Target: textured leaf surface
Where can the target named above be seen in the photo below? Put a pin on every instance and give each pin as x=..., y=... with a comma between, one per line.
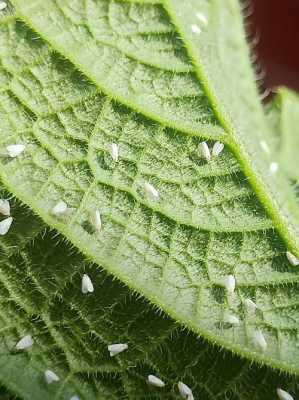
x=283, y=115
x=208, y=222
x=94, y=35
x=5, y=395
x=71, y=333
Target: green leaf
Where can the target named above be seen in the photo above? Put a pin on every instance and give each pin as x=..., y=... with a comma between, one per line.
x=216, y=99
x=5, y=395
x=283, y=115
x=71, y=333
x=20, y=301
x=208, y=223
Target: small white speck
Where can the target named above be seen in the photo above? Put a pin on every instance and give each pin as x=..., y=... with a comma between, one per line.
x=5, y=225
x=96, y=220
x=86, y=286
x=205, y=151
x=24, y=343
x=60, y=208
x=202, y=18
x=217, y=149
x=114, y=151
x=292, y=259
x=50, y=376
x=185, y=391
x=259, y=340
x=273, y=167
x=250, y=305
x=15, y=150
x=283, y=395
x=75, y=397
x=155, y=381
x=151, y=191
x=3, y=5
x=231, y=319
x=195, y=28
x=265, y=146
x=229, y=282
x=117, y=348
x=4, y=207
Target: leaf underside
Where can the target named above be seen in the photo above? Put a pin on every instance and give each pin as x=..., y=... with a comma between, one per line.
x=283, y=116
x=71, y=333
x=208, y=223
x=123, y=47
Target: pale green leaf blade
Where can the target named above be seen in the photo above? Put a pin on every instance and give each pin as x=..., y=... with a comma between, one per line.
x=212, y=99
x=220, y=54
x=173, y=95
x=283, y=116
x=19, y=372
x=175, y=251
x=71, y=333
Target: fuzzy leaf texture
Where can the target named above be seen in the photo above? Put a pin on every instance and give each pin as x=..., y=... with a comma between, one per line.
x=71, y=334
x=283, y=115
x=228, y=216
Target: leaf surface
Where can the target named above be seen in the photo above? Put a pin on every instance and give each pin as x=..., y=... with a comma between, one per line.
x=216, y=98
x=208, y=222
x=282, y=114
x=71, y=333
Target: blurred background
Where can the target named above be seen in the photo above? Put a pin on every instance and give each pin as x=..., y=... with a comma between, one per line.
x=275, y=25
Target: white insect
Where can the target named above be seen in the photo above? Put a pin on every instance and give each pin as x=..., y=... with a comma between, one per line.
x=151, y=191
x=265, y=146
x=273, y=167
x=202, y=18
x=50, y=376
x=217, y=149
x=283, y=395
x=114, y=151
x=195, y=28
x=231, y=319
x=15, y=150
x=155, y=381
x=185, y=391
x=96, y=220
x=117, y=348
x=24, y=343
x=75, y=397
x=60, y=208
x=229, y=282
x=3, y=5
x=4, y=207
x=5, y=225
x=86, y=286
x=292, y=259
x=250, y=305
x=205, y=151
x=259, y=340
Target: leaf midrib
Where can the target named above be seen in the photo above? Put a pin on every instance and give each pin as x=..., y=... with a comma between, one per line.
x=259, y=226
x=217, y=132
x=157, y=302
x=225, y=132
x=152, y=297
x=246, y=165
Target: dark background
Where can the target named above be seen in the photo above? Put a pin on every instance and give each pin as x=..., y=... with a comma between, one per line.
x=276, y=23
